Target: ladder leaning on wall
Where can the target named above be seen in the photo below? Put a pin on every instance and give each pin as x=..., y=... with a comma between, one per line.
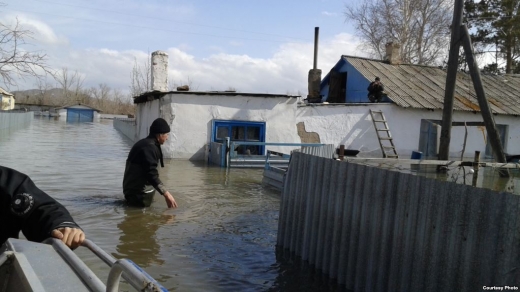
x=383, y=134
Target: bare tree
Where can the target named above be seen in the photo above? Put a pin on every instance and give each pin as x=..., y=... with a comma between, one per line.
x=421, y=27
x=71, y=85
x=121, y=104
x=43, y=95
x=140, y=78
x=101, y=94
x=15, y=60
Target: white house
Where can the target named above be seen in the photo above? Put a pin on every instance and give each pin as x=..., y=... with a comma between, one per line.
x=198, y=118
x=412, y=107
x=6, y=100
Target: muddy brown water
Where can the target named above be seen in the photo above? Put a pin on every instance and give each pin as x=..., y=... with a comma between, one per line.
x=221, y=238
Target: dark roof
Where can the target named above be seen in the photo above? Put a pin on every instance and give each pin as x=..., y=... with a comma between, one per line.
x=417, y=86
x=148, y=96
x=4, y=92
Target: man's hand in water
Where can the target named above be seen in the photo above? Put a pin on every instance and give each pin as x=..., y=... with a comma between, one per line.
x=72, y=237
x=170, y=201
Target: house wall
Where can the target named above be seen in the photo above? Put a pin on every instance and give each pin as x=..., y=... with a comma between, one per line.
x=7, y=102
x=190, y=117
x=356, y=86
x=352, y=126
x=145, y=114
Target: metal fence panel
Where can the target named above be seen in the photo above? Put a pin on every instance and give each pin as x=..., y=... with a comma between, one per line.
x=381, y=230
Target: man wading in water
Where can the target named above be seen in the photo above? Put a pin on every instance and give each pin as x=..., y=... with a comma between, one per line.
x=141, y=178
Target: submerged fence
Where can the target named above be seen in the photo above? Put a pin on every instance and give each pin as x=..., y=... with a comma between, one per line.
x=126, y=127
x=380, y=230
x=13, y=120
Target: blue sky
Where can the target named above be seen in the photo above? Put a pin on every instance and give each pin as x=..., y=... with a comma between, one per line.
x=251, y=46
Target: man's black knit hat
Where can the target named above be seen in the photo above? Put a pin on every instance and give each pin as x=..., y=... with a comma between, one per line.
x=159, y=126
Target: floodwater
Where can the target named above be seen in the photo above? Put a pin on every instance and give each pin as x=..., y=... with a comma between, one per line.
x=489, y=177
x=222, y=236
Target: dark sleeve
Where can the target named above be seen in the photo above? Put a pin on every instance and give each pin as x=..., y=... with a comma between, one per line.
x=151, y=157
x=35, y=211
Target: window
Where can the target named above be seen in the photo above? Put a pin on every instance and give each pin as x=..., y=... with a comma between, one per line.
x=240, y=131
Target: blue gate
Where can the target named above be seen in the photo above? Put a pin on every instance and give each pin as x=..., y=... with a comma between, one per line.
x=80, y=115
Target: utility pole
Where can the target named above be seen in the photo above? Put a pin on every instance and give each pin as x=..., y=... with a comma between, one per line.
x=489, y=121
x=451, y=77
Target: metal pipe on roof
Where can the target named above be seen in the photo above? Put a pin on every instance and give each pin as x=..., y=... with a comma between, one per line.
x=316, y=36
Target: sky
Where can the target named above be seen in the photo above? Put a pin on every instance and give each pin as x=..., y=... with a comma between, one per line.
x=251, y=46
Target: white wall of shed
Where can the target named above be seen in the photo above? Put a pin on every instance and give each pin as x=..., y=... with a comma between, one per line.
x=352, y=126
x=146, y=113
x=190, y=117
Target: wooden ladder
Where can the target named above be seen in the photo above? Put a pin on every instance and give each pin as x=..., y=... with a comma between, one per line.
x=385, y=140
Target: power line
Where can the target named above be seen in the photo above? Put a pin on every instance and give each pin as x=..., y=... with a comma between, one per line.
x=167, y=20
x=153, y=28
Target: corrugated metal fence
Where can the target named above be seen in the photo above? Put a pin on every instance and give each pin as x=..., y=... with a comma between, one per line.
x=12, y=120
x=126, y=127
x=326, y=150
x=380, y=230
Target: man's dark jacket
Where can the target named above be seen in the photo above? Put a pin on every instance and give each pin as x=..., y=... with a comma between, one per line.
x=24, y=207
x=141, y=167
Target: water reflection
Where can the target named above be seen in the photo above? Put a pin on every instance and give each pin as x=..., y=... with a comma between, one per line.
x=138, y=239
x=483, y=177
x=297, y=275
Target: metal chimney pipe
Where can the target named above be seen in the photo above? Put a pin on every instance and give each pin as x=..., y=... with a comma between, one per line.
x=314, y=74
x=316, y=35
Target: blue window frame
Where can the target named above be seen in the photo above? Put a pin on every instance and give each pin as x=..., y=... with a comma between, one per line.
x=240, y=131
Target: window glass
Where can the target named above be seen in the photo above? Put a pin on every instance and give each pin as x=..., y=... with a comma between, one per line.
x=253, y=133
x=222, y=132
x=245, y=131
x=238, y=133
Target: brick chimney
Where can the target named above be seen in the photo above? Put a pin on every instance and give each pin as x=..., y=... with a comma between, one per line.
x=159, y=71
x=393, y=56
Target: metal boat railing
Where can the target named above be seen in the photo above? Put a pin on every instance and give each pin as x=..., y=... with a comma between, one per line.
x=130, y=271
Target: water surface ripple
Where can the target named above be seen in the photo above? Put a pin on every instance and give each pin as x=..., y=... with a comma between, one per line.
x=221, y=238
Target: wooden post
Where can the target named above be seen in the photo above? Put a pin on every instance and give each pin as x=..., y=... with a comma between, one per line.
x=465, y=140
x=451, y=76
x=489, y=121
x=341, y=152
x=476, y=161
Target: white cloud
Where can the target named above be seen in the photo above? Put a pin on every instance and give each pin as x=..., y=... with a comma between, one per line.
x=41, y=32
x=285, y=72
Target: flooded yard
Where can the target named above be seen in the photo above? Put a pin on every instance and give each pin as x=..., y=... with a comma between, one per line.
x=221, y=238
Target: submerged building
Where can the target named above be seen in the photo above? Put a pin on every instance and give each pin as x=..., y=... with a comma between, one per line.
x=412, y=108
